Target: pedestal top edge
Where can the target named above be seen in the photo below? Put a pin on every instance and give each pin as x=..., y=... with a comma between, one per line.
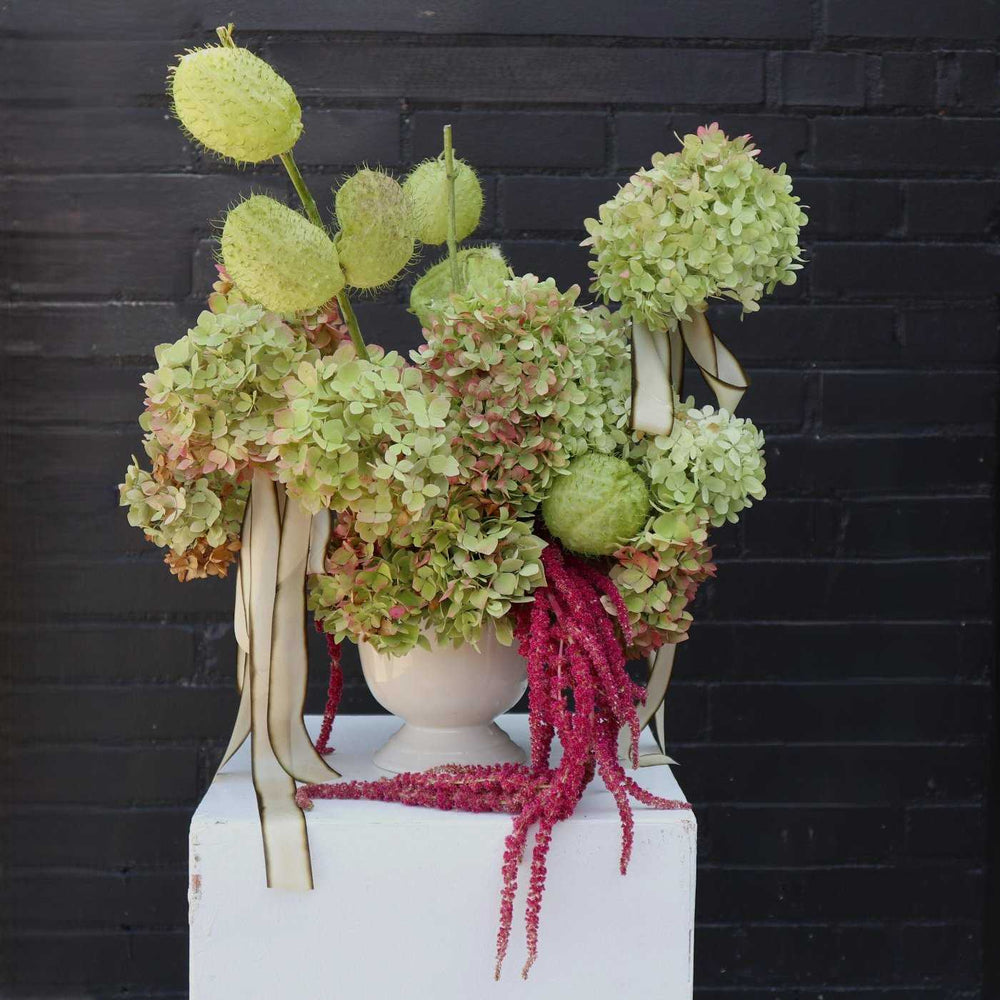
x=230, y=798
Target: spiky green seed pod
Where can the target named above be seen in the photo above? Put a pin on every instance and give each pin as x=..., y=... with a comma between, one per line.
x=427, y=187
x=376, y=239
x=234, y=104
x=278, y=258
x=480, y=271
x=601, y=504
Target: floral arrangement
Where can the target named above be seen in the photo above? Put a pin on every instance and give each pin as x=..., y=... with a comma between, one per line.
x=494, y=479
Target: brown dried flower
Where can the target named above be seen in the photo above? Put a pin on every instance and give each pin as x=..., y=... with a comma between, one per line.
x=203, y=560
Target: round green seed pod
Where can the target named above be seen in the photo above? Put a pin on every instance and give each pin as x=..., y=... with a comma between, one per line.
x=480, y=271
x=598, y=506
x=427, y=186
x=234, y=104
x=376, y=239
x=278, y=258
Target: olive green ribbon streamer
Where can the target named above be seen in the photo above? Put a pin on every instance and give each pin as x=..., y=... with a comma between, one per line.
x=272, y=671
x=657, y=374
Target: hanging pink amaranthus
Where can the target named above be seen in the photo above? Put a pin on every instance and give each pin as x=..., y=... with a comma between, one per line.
x=578, y=691
x=333, y=692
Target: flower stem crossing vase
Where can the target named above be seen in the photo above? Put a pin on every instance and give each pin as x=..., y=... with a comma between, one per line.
x=448, y=698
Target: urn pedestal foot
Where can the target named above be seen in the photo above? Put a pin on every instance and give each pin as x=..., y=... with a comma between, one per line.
x=416, y=748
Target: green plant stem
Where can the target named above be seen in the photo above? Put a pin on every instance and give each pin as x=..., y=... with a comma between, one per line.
x=226, y=35
x=449, y=173
x=305, y=196
x=347, y=312
x=309, y=204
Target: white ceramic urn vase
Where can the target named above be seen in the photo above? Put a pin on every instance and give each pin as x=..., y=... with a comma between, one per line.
x=448, y=699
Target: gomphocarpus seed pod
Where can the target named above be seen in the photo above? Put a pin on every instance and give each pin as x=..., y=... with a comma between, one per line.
x=427, y=187
x=278, y=258
x=376, y=238
x=480, y=270
x=234, y=104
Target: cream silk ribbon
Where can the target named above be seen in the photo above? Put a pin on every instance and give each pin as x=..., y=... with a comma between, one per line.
x=279, y=541
x=657, y=374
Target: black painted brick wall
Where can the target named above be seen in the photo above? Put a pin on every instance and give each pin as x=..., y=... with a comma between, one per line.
x=833, y=707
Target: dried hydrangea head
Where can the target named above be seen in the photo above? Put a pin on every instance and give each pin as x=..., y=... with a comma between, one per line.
x=597, y=506
x=234, y=104
x=520, y=360
x=203, y=560
x=463, y=573
x=706, y=221
x=211, y=401
x=711, y=463
x=197, y=520
x=278, y=258
x=481, y=270
x=427, y=186
x=376, y=239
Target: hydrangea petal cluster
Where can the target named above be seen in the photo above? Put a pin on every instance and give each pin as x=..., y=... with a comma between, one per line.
x=450, y=577
x=324, y=327
x=366, y=435
x=711, y=463
x=522, y=362
x=198, y=520
x=706, y=221
x=658, y=575
x=211, y=401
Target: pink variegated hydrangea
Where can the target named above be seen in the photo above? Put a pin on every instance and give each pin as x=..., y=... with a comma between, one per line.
x=525, y=366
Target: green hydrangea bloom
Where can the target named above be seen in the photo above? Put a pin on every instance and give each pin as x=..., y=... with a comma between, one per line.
x=711, y=463
x=706, y=221
x=369, y=436
x=603, y=373
x=462, y=574
x=526, y=368
x=211, y=401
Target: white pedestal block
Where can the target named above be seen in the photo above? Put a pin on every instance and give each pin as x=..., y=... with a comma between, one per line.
x=407, y=899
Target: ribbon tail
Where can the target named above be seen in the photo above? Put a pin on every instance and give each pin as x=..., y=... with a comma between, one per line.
x=319, y=539
x=289, y=656
x=283, y=825
x=241, y=728
x=661, y=665
x=676, y=361
x=652, y=377
x=718, y=365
